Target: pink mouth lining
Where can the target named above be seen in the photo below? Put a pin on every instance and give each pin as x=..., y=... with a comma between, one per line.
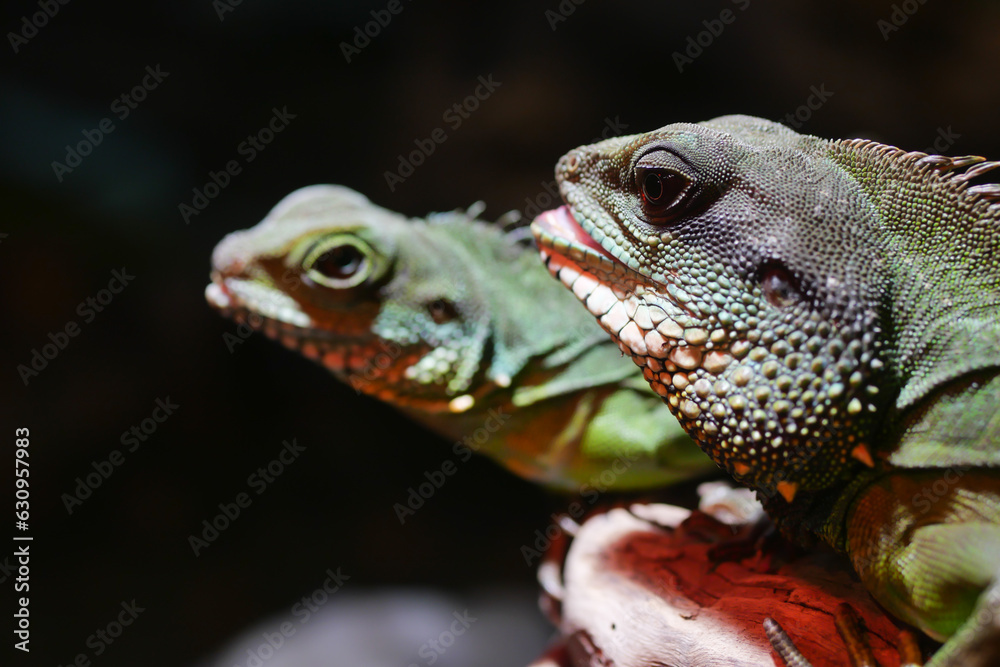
x=560, y=223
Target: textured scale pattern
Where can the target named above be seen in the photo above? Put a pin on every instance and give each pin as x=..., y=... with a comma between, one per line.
x=783, y=396
x=945, y=241
x=415, y=357
x=824, y=319
x=452, y=320
x=802, y=296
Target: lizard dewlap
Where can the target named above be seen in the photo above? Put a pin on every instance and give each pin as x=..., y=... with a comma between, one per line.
x=453, y=321
x=823, y=317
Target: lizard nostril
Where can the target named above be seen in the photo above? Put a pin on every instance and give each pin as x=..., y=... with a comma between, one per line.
x=570, y=164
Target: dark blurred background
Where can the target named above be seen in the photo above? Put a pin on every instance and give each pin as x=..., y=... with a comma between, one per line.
x=908, y=73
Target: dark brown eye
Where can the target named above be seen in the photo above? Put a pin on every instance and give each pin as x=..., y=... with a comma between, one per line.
x=442, y=311
x=652, y=187
x=339, y=263
x=661, y=189
x=779, y=288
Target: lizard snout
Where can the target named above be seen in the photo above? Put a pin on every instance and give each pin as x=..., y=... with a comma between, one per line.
x=568, y=166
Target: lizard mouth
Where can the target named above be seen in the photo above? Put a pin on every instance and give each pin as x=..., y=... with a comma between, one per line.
x=241, y=299
x=261, y=308
x=368, y=364
x=559, y=228
x=714, y=379
x=658, y=333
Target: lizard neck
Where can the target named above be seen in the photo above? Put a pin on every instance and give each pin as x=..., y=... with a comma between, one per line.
x=956, y=426
x=942, y=257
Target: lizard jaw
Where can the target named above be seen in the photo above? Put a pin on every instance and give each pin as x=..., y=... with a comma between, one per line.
x=262, y=309
x=278, y=317
x=367, y=363
x=690, y=367
x=659, y=335
x=226, y=293
x=744, y=404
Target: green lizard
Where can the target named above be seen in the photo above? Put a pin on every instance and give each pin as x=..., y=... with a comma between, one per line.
x=823, y=317
x=454, y=322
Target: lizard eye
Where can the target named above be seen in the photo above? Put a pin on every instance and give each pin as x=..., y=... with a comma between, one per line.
x=662, y=192
x=338, y=263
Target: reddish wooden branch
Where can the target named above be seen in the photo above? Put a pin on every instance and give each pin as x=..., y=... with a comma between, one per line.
x=639, y=588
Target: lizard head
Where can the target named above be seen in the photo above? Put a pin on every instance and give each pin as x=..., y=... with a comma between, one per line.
x=375, y=297
x=720, y=256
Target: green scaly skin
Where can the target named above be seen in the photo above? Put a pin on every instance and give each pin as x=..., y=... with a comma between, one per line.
x=455, y=323
x=823, y=317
